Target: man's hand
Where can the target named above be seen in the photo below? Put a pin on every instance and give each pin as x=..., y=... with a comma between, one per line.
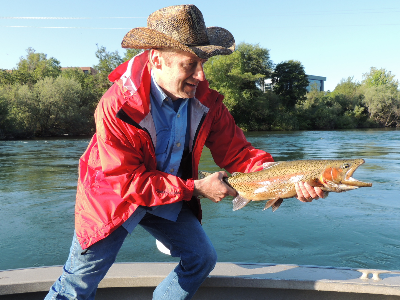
x=213, y=187
x=307, y=193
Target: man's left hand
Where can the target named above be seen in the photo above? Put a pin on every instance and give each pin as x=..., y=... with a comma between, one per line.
x=307, y=193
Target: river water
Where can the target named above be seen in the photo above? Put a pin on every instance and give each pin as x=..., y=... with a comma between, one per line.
x=356, y=229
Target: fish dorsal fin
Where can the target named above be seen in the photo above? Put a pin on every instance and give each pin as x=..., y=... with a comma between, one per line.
x=236, y=174
x=239, y=202
x=203, y=174
x=268, y=165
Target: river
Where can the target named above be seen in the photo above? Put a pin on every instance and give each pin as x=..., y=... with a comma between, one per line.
x=356, y=229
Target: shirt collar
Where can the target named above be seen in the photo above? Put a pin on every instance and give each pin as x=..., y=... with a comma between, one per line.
x=156, y=92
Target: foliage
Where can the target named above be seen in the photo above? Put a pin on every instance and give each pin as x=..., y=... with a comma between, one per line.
x=60, y=110
x=38, y=66
x=22, y=108
x=31, y=68
x=3, y=113
x=129, y=53
x=238, y=77
x=38, y=99
x=379, y=77
x=341, y=109
x=348, y=87
x=7, y=77
x=383, y=104
x=108, y=61
x=51, y=107
x=256, y=61
x=90, y=93
x=382, y=97
x=290, y=82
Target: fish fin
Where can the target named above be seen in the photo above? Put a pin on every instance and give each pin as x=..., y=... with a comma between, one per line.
x=239, y=202
x=275, y=203
x=203, y=174
x=267, y=165
x=315, y=182
x=236, y=174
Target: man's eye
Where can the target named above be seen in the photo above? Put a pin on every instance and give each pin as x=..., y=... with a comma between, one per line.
x=189, y=65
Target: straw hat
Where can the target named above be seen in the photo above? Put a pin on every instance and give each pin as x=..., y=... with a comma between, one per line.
x=181, y=27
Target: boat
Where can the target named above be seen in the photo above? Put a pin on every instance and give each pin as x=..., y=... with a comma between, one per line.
x=227, y=281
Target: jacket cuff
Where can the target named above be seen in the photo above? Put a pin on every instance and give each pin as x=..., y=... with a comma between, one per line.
x=190, y=188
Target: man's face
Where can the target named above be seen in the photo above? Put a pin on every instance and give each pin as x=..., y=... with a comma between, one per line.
x=178, y=73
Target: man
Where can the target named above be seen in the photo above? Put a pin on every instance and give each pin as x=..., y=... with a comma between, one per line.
x=141, y=165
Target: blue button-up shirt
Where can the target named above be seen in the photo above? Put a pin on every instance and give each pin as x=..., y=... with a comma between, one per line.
x=171, y=122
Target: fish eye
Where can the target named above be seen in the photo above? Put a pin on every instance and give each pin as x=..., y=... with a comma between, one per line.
x=345, y=166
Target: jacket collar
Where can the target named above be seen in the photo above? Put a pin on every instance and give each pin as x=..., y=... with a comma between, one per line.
x=134, y=79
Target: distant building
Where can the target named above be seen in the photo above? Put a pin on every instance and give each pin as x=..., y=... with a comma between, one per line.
x=316, y=81
x=86, y=70
x=313, y=80
x=268, y=84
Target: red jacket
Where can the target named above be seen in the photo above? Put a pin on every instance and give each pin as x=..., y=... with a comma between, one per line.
x=117, y=172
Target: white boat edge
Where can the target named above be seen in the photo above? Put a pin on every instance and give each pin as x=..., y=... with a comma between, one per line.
x=226, y=281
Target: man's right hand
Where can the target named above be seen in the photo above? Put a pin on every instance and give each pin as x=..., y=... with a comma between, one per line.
x=213, y=187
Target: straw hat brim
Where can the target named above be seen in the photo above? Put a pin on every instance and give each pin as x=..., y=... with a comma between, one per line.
x=221, y=41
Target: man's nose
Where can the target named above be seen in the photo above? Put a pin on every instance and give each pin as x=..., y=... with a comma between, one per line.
x=199, y=73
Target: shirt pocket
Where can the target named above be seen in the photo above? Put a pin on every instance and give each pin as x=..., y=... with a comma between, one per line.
x=163, y=140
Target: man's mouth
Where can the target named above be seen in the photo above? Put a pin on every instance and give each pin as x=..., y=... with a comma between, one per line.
x=191, y=84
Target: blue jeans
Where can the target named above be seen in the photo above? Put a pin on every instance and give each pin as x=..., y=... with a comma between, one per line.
x=185, y=238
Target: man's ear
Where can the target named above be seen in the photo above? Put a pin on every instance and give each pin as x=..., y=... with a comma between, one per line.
x=155, y=58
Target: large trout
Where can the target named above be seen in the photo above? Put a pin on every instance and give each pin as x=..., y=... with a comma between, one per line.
x=277, y=180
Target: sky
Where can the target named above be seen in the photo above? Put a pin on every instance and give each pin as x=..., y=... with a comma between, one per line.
x=333, y=39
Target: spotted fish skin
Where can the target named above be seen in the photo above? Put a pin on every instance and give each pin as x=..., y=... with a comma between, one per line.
x=277, y=180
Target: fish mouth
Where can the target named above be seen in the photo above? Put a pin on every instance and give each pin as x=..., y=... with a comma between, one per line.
x=349, y=180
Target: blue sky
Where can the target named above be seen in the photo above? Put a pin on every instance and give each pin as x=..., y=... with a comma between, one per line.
x=334, y=39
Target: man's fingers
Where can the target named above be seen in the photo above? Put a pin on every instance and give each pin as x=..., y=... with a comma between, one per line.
x=229, y=190
x=307, y=193
x=214, y=187
x=320, y=192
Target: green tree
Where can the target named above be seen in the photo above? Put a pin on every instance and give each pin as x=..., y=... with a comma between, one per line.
x=16, y=76
x=108, y=61
x=23, y=111
x=38, y=66
x=381, y=96
x=60, y=110
x=348, y=93
x=6, y=77
x=129, y=53
x=3, y=113
x=38, y=99
x=348, y=87
x=378, y=77
x=290, y=82
x=341, y=109
x=238, y=77
x=318, y=111
x=90, y=94
x=383, y=104
x=256, y=61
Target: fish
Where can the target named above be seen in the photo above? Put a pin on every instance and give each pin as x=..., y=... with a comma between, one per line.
x=277, y=180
